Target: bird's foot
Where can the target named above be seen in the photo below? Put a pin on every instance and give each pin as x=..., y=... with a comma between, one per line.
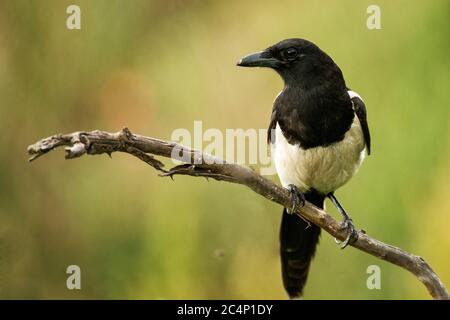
x=297, y=197
x=347, y=223
x=352, y=235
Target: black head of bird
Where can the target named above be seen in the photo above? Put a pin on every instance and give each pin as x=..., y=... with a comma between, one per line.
x=299, y=62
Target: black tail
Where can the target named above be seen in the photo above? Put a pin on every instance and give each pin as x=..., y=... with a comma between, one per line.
x=297, y=247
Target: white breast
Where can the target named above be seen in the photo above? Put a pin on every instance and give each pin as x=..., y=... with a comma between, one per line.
x=321, y=168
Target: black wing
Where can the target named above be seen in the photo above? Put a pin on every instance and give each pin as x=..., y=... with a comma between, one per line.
x=361, y=113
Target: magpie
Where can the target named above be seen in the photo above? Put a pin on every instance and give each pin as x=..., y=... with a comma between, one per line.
x=319, y=137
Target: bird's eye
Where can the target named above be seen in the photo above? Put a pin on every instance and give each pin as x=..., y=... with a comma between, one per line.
x=290, y=53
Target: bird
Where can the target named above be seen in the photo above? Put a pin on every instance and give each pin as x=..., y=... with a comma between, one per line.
x=319, y=137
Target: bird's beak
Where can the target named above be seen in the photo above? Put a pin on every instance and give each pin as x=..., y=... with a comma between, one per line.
x=258, y=59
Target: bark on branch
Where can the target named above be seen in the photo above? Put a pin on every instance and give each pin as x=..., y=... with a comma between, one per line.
x=203, y=165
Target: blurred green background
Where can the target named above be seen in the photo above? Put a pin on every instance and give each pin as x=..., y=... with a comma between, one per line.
x=155, y=66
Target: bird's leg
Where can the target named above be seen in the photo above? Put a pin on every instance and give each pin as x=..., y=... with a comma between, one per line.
x=346, y=223
x=298, y=198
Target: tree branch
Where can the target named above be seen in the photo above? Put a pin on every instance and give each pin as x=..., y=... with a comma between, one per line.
x=199, y=164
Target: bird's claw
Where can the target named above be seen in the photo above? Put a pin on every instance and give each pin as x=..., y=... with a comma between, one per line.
x=298, y=198
x=352, y=235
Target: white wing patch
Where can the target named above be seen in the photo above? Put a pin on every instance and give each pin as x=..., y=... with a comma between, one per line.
x=353, y=94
